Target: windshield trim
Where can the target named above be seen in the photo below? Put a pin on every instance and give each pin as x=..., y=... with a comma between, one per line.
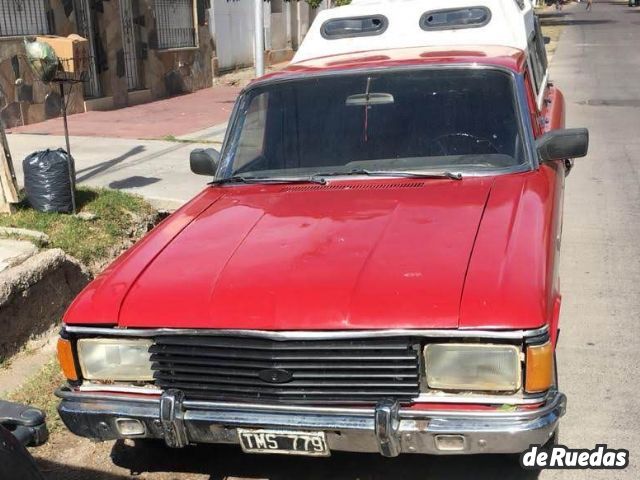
x=525, y=127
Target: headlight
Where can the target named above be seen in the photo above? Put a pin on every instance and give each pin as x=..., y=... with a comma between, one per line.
x=453, y=366
x=115, y=359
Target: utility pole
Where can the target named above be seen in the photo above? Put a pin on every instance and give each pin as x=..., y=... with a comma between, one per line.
x=258, y=37
x=8, y=184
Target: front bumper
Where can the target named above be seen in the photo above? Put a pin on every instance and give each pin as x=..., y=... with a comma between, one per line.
x=387, y=428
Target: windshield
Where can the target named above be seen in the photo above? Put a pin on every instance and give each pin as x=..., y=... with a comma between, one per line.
x=405, y=120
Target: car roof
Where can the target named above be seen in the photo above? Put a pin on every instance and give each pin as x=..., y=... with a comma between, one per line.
x=385, y=24
x=508, y=58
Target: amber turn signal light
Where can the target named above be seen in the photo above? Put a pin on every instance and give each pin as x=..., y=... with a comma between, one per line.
x=65, y=358
x=539, y=371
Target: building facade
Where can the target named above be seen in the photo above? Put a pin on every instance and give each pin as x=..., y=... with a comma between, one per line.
x=231, y=27
x=141, y=50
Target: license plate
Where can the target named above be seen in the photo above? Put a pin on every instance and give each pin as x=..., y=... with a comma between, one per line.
x=279, y=441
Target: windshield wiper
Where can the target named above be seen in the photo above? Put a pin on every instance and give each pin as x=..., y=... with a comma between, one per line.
x=392, y=173
x=320, y=177
x=250, y=179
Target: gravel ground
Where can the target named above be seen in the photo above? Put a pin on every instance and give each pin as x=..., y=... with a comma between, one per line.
x=67, y=457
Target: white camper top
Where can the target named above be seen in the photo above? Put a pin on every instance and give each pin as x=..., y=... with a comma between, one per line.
x=366, y=25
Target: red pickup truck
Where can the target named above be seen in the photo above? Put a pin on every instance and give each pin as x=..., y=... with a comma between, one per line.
x=374, y=268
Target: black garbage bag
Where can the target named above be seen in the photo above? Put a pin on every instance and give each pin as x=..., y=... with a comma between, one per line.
x=46, y=181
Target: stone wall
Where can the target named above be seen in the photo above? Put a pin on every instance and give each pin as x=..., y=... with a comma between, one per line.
x=170, y=72
x=181, y=71
x=164, y=72
x=23, y=98
x=108, y=46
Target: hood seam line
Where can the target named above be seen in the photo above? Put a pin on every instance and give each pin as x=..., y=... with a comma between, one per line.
x=164, y=247
x=473, y=247
x=231, y=255
x=356, y=284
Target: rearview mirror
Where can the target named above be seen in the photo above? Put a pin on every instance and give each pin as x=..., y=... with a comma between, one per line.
x=204, y=161
x=563, y=144
x=368, y=99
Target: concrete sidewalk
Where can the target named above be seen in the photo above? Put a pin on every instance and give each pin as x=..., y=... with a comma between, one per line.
x=142, y=149
x=175, y=116
x=157, y=170
x=171, y=117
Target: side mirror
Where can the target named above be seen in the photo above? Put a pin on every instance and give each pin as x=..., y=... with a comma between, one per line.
x=563, y=144
x=204, y=161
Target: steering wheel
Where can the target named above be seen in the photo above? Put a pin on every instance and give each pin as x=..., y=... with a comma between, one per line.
x=462, y=143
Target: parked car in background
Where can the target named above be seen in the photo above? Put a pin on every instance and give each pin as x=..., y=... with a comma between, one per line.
x=373, y=267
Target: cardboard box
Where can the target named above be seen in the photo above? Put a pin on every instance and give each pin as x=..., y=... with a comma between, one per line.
x=73, y=51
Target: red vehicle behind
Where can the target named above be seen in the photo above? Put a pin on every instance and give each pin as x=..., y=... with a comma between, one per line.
x=374, y=268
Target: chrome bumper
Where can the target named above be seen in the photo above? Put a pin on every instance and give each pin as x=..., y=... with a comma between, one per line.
x=388, y=428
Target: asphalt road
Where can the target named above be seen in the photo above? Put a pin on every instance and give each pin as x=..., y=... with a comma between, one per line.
x=597, y=65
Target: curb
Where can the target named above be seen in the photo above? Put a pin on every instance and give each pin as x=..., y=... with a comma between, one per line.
x=35, y=294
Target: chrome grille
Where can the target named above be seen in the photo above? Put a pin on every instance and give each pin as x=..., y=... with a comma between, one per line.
x=326, y=371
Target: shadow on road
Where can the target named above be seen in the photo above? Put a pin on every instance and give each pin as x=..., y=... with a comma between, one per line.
x=133, y=182
x=544, y=15
x=92, y=171
x=222, y=461
x=551, y=22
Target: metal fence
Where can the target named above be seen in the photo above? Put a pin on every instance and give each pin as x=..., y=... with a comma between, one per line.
x=130, y=42
x=175, y=23
x=24, y=17
x=84, y=21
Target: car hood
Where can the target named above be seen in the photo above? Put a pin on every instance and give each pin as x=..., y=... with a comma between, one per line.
x=347, y=255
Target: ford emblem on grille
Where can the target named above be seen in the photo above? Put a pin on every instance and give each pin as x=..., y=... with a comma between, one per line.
x=275, y=375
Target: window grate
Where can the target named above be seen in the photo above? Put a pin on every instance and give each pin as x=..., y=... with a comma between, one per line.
x=85, y=22
x=175, y=24
x=24, y=17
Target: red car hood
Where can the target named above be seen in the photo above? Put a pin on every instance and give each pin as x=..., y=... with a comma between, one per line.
x=357, y=255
